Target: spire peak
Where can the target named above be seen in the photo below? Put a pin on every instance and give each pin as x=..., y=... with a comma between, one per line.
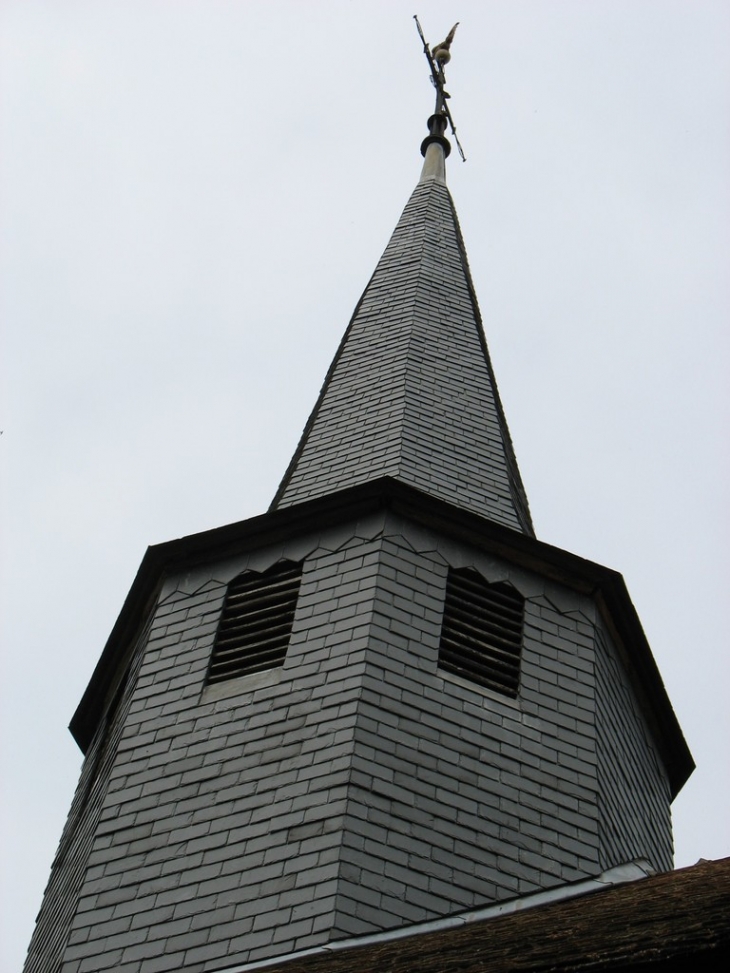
x=411, y=394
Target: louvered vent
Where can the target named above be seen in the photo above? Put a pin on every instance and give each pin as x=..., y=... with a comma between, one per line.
x=256, y=623
x=481, y=636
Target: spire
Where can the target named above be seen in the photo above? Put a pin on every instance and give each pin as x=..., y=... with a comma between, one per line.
x=411, y=392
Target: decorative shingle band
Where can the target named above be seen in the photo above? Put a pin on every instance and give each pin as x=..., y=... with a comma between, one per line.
x=256, y=623
x=481, y=635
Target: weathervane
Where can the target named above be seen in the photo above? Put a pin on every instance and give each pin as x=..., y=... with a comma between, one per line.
x=437, y=57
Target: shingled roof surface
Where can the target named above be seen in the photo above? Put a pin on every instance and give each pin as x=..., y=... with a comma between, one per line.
x=411, y=392
x=674, y=921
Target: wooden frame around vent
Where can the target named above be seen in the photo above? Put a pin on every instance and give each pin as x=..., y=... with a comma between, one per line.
x=256, y=622
x=481, y=634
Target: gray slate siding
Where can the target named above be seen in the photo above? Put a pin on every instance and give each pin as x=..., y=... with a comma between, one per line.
x=70, y=872
x=461, y=796
x=411, y=393
x=356, y=788
x=222, y=815
x=634, y=794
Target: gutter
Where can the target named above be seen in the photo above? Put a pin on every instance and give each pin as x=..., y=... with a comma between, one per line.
x=618, y=875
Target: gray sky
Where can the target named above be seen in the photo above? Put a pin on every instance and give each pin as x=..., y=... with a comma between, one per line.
x=194, y=195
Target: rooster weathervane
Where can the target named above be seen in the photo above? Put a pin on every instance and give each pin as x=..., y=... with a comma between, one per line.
x=437, y=58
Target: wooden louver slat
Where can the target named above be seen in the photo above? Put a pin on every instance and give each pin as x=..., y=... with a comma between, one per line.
x=256, y=623
x=481, y=635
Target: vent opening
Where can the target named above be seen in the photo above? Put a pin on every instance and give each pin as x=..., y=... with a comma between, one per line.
x=481, y=635
x=256, y=623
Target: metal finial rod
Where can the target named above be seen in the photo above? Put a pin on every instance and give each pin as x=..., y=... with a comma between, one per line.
x=438, y=79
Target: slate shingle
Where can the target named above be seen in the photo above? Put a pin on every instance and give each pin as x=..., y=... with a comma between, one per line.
x=411, y=393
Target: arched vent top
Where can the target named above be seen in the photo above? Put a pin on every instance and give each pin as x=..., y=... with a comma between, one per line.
x=256, y=623
x=481, y=636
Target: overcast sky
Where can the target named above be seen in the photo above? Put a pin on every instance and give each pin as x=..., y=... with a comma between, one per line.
x=194, y=195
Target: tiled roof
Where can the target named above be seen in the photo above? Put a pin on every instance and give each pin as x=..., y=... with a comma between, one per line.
x=411, y=392
x=673, y=922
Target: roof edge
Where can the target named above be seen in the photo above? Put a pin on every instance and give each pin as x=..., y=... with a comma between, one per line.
x=633, y=871
x=361, y=500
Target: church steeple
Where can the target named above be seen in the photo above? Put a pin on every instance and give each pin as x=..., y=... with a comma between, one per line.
x=411, y=393
x=380, y=703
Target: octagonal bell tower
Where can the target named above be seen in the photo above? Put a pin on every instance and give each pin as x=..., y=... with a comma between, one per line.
x=382, y=702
